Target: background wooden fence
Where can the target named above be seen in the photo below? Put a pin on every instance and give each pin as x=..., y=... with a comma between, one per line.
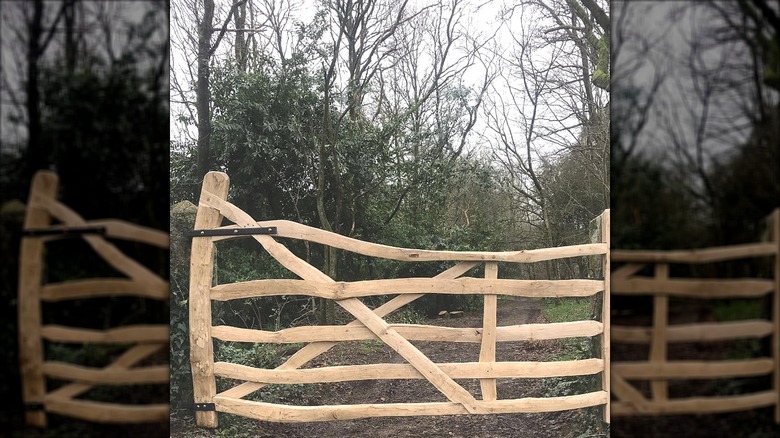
x=147, y=340
x=661, y=286
x=369, y=323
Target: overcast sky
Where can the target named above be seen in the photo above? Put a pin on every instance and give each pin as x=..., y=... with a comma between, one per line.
x=123, y=13
x=662, y=41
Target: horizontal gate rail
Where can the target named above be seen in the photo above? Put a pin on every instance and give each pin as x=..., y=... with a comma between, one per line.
x=369, y=324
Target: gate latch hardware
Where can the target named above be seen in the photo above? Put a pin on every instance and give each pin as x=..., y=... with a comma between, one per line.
x=231, y=232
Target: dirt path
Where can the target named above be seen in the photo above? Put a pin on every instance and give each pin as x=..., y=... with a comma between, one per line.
x=510, y=312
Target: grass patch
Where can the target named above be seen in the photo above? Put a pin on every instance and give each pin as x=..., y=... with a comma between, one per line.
x=567, y=309
x=737, y=310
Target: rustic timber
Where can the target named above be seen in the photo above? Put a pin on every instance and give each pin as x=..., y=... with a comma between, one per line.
x=369, y=324
x=696, y=332
x=462, y=286
x=469, y=370
x=658, y=369
x=487, y=352
x=44, y=186
x=132, y=333
x=149, y=339
x=201, y=271
x=413, y=332
x=299, y=231
x=284, y=413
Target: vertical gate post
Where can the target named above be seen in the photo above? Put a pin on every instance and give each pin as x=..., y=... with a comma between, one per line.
x=201, y=275
x=43, y=188
x=774, y=227
x=488, y=349
x=658, y=345
x=600, y=234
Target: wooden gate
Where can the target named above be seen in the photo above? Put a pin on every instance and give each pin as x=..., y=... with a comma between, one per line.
x=369, y=323
x=661, y=286
x=42, y=207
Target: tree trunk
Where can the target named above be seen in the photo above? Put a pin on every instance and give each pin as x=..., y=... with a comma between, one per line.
x=35, y=159
x=203, y=94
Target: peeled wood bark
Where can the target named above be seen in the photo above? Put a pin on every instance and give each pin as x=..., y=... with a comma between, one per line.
x=285, y=414
x=708, y=255
x=602, y=234
x=719, y=331
x=487, y=351
x=413, y=332
x=370, y=324
x=44, y=187
x=309, y=352
x=103, y=287
x=694, y=369
x=125, y=361
x=42, y=207
x=702, y=405
x=107, y=412
x=88, y=375
x=462, y=286
x=469, y=370
x=295, y=230
x=658, y=387
x=133, y=333
x=201, y=271
x=434, y=375
x=695, y=288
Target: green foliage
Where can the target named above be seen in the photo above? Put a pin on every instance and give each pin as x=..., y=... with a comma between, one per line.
x=406, y=315
x=649, y=210
x=567, y=309
x=254, y=355
x=739, y=310
x=601, y=75
x=113, y=147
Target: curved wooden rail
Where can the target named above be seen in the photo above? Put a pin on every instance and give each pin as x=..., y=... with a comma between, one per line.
x=295, y=230
x=706, y=255
x=469, y=370
x=524, y=332
x=462, y=286
x=103, y=287
x=101, y=412
x=98, y=376
x=119, y=229
x=131, y=334
x=284, y=413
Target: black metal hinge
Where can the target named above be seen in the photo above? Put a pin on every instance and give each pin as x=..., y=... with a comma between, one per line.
x=65, y=232
x=231, y=232
x=33, y=407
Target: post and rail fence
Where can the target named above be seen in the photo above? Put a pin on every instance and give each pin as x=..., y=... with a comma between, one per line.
x=145, y=340
x=369, y=324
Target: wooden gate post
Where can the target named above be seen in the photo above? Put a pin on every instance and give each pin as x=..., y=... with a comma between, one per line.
x=774, y=227
x=201, y=274
x=44, y=186
x=488, y=349
x=600, y=233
